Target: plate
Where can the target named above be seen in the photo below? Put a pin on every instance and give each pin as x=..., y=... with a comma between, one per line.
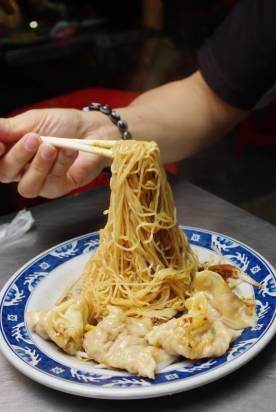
x=41, y=281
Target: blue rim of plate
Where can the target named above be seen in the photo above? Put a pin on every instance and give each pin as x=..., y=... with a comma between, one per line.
x=21, y=350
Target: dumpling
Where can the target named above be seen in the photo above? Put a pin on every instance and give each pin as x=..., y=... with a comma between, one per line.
x=236, y=313
x=215, y=316
x=198, y=334
x=119, y=341
x=63, y=324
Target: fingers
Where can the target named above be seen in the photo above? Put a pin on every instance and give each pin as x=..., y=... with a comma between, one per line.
x=22, y=161
x=57, y=182
x=43, y=171
x=33, y=180
x=64, y=160
x=85, y=169
x=18, y=156
x=32, y=164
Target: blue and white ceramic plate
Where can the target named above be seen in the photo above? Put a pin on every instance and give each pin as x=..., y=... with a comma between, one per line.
x=41, y=281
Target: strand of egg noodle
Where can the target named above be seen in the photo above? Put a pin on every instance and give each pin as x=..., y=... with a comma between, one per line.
x=144, y=263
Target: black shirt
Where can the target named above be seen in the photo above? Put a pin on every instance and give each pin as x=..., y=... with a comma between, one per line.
x=239, y=60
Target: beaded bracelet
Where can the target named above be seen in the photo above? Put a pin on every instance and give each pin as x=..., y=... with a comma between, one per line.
x=113, y=116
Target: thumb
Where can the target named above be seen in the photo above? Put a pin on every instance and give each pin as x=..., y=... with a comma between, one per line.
x=6, y=130
x=13, y=128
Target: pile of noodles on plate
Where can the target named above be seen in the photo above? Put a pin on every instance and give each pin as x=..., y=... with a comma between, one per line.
x=143, y=299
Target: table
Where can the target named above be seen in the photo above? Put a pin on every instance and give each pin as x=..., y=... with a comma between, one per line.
x=251, y=388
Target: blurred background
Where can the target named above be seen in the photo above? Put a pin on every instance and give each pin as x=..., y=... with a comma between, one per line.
x=68, y=53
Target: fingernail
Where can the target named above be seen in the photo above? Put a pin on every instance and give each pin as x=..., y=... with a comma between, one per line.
x=47, y=152
x=70, y=153
x=31, y=143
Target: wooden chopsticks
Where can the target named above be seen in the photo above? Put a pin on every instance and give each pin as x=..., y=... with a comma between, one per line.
x=99, y=147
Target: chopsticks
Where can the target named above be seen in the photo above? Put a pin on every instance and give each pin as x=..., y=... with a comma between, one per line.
x=99, y=147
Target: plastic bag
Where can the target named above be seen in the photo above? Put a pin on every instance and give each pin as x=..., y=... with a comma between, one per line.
x=13, y=231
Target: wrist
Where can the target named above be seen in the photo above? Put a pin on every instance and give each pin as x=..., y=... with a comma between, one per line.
x=112, y=115
x=95, y=125
x=138, y=122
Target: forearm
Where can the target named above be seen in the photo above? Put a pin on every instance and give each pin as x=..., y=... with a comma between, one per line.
x=183, y=117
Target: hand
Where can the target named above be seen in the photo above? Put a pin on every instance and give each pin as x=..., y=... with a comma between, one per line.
x=41, y=169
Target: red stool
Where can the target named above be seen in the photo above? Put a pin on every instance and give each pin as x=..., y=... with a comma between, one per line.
x=80, y=98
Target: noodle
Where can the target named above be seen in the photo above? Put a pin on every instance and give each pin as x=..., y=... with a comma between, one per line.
x=144, y=263
x=121, y=311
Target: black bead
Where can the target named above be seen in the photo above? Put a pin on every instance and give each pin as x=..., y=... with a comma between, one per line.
x=95, y=106
x=115, y=117
x=122, y=125
x=106, y=109
x=126, y=135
